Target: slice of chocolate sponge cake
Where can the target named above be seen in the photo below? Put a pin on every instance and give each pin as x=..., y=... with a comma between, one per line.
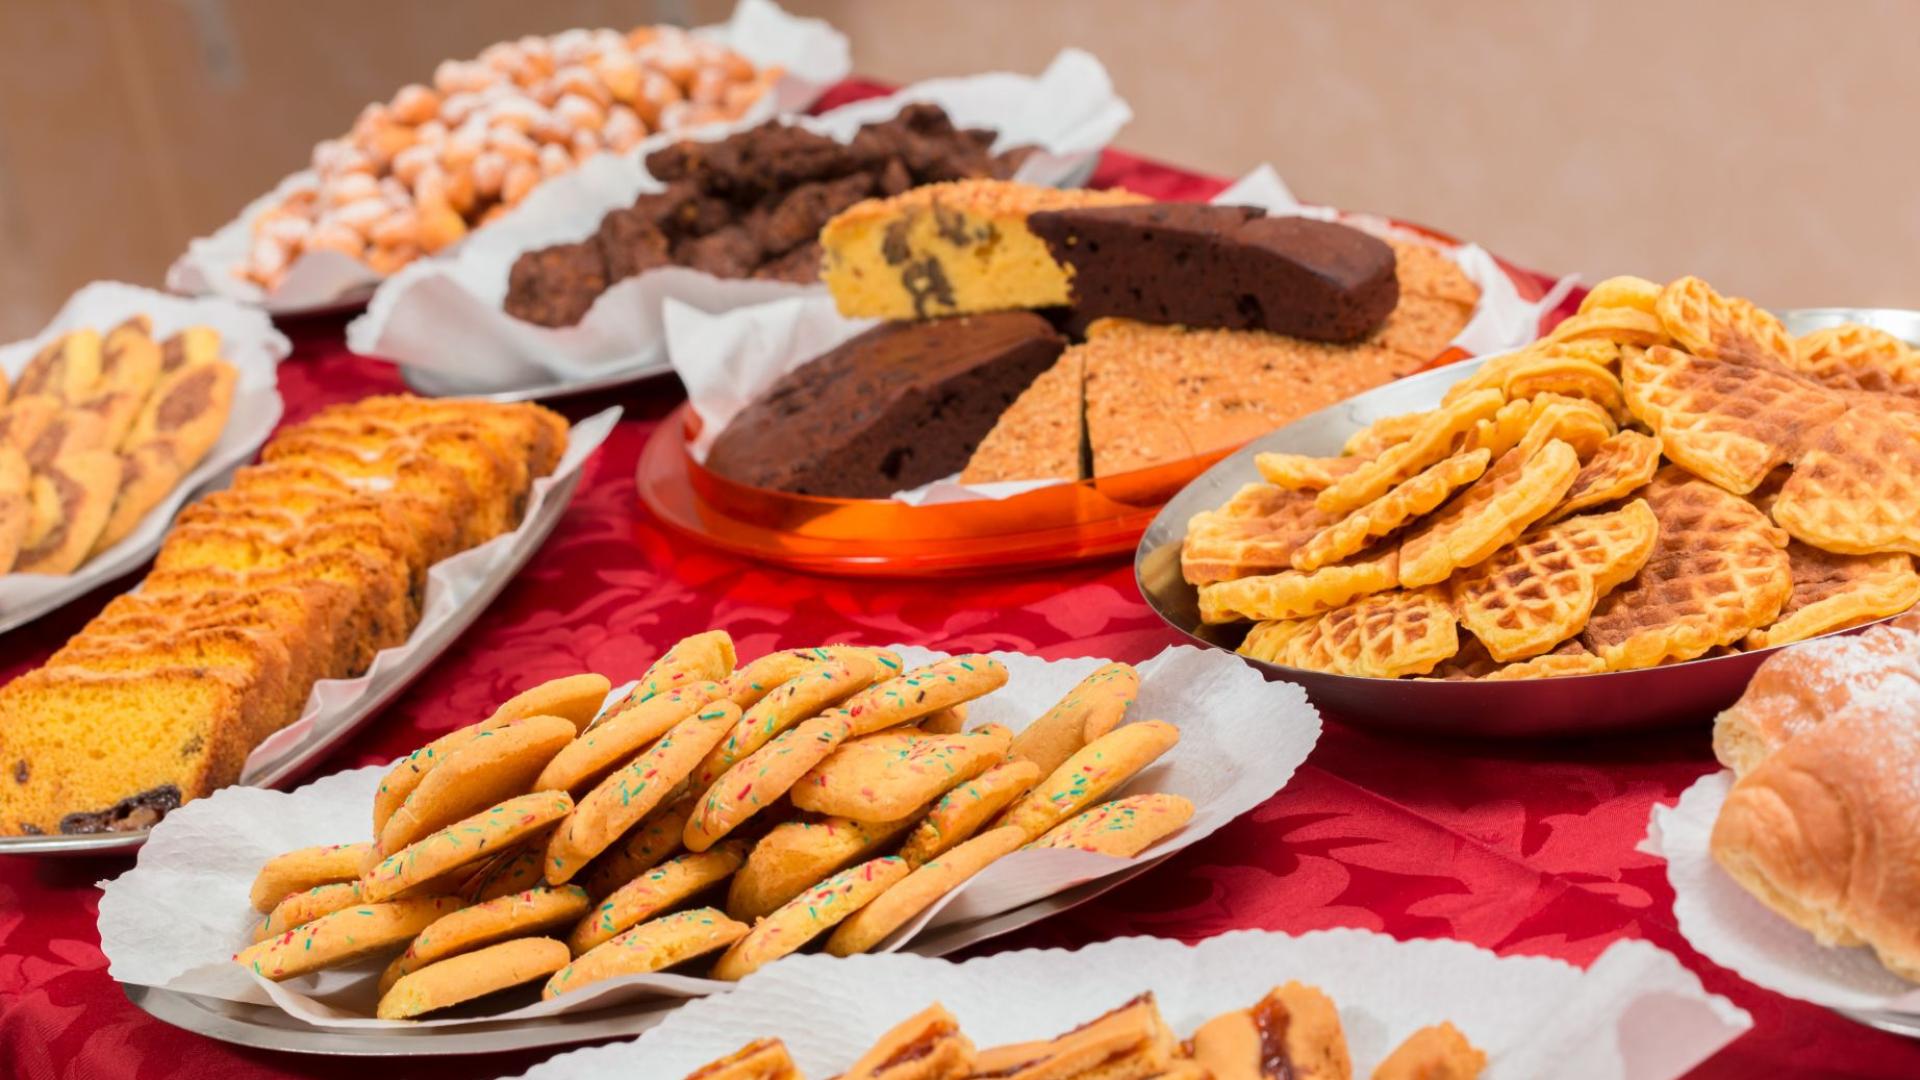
x=1224, y=267
x=899, y=406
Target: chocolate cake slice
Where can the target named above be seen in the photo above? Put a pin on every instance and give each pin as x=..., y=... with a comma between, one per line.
x=1227, y=267
x=899, y=406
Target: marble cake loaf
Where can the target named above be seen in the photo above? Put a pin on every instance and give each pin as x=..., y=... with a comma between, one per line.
x=1222, y=267
x=894, y=408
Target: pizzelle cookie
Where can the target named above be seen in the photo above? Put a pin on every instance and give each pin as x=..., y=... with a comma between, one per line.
x=1124, y=827
x=796, y=854
x=305, y=868
x=877, y=782
x=761, y=777
x=344, y=935
x=620, y=801
x=494, y=765
x=301, y=908
x=917, y=891
x=1096, y=769
x=651, y=946
x=471, y=975
x=809, y=915
x=464, y=842
x=1091, y=709
x=812, y=690
x=655, y=891
x=641, y=848
x=515, y=915
x=961, y=812
x=921, y=691
x=621, y=734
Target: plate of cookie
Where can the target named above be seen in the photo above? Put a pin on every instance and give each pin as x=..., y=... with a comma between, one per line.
x=1034, y=404
x=127, y=404
x=587, y=847
x=279, y=614
x=1603, y=531
x=1330, y=1003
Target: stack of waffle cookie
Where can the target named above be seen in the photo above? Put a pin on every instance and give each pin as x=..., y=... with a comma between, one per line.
x=1665, y=476
x=96, y=431
x=1294, y=1031
x=714, y=815
x=314, y=560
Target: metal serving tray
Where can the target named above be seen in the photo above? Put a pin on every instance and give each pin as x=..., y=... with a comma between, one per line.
x=1570, y=706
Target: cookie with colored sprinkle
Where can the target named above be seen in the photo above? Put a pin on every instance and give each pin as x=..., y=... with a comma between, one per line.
x=619, y=802
x=879, y=782
x=1124, y=827
x=809, y=915
x=1090, y=710
x=759, y=779
x=301, y=908
x=815, y=689
x=652, y=946
x=1083, y=779
x=495, y=764
x=464, y=843
x=472, y=975
x=920, y=889
x=659, y=889
x=300, y=870
x=515, y=915
x=756, y=680
x=640, y=849
x=796, y=854
x=960, y=813
x=620, y=735
x=922, y=691
x=517, y=869
x=345, y=935
x=704, y=657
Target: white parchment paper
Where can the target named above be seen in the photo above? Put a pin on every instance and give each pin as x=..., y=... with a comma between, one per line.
x=1733, y=929
x=1636, y=1013
x=729, y=359
x=248, y=341
x=812, y=55
x=175, y=919
x=443, y=319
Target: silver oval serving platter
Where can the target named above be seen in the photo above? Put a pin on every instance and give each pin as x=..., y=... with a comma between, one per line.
x=1610, y=703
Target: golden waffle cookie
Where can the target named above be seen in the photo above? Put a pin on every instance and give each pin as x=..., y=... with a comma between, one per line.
x=1256, y=532
x=1567, y=375
x=1718, y=571
x=1411, y=499
x=1856, y=488
x=1495, y=371
x=1832, y=592
x=1708, y=324
x=1623, y=465
x=1623, y=291
x=1727, y=421
x=1540, y=592
x=1851, y=357
x=1519, y=490
x=1383, y=636
x=1268, y=640
x=1375, y=438
x=1432, y=442
x=1577, y=422
x=1294, y=594
x=1474, y=662
x=1302, y=472
x=1619, y=325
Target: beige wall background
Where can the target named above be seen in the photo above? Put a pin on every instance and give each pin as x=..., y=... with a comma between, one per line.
x=1768, y=146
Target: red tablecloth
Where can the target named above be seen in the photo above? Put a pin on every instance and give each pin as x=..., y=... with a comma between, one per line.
x=1518, y=848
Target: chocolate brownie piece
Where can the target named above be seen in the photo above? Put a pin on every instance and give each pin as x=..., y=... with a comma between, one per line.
x=555, y=286
x=923, y=139
x=747, y=166
x=800, y=266
x=796, y=219
x=1230, y=267
x=901, y=405
x=683, y=210
x=630, y=243
x=731, y=252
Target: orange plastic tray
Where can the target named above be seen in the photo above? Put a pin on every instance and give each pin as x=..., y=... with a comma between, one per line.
x=881, y=538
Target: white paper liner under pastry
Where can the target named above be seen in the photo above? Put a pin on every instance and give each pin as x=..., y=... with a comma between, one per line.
x=812, y=55
x=175, y=918
x=445, y=317
x=730, y=359
x=1635, y=1013
x=1733, y=929
x=248, y=341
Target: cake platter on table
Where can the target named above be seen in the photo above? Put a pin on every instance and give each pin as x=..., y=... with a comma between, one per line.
x=1671, y=693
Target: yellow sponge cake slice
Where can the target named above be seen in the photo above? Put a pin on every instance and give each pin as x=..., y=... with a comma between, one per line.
x=948, y=249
